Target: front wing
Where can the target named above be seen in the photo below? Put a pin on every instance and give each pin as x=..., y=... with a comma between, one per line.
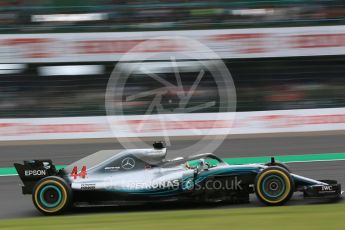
x=323, y=191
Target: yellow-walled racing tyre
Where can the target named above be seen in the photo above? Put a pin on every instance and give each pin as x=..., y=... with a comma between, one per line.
x=52, y=195
x=274, y=186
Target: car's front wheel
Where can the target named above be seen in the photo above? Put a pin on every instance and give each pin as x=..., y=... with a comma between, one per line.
x=274, y=186
x=52, y=195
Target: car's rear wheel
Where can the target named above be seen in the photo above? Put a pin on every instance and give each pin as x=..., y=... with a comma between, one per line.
x=274, y=186
x=52, y=195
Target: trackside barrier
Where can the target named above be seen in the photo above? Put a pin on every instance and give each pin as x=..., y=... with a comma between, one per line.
x=227, y=43
x=280, y=121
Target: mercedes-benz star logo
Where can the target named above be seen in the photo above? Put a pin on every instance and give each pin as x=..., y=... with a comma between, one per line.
x=128, y=163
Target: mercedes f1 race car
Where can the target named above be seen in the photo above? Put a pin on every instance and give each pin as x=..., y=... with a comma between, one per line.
x=135, y=176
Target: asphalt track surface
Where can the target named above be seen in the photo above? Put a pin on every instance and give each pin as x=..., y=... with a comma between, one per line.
x=14, y=204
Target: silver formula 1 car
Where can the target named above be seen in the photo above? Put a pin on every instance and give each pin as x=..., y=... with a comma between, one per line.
x=115, y=177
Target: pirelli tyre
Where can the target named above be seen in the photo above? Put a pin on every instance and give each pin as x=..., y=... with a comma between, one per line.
x=52, y=195
x=274, y=186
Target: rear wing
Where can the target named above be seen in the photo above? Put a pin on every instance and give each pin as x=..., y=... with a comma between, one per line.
x=32, y=171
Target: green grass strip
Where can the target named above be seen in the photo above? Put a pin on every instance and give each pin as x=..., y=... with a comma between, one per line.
x=246, y=160
x=310, y=217
x=288, y=158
